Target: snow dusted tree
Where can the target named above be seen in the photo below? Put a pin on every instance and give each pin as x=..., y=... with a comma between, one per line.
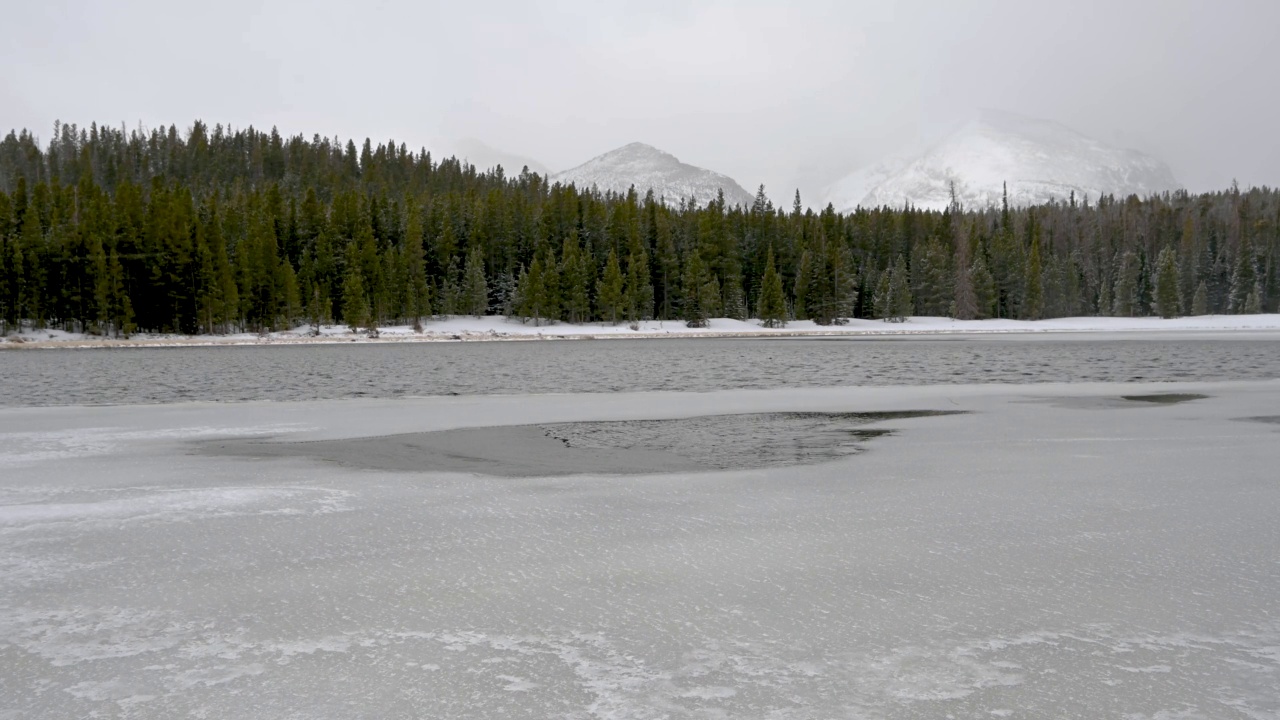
x=1244, y=279
x=984, y=288
x=893, y=293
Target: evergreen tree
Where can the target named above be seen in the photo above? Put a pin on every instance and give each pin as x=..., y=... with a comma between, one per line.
x=966, y=298
x=700, y=292
x=773, y=304
x=355, y=305
x=882, y=304
x=475, y=291
x=900, y=300
x=291, y=300
x=893, y=293
x=1200, y=303
x=804, y=278
x=539, y=290
x=1244, y=278
x=1125, y=302
x=734, y=301
x=984, y=288
x=450, y=292
x=575, y=281
x=610, y=296
x=1253, y=304
x=417, y=295
x=1033, y=304
x=637, y=292
x=1168, y=301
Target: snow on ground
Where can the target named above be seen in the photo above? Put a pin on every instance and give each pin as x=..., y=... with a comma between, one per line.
x=468, y=328
x=1058, y=552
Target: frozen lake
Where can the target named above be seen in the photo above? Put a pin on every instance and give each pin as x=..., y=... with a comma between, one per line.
x=166, y=375
x=1058, y=551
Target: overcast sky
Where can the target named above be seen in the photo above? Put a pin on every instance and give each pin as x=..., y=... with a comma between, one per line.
x=782, y=93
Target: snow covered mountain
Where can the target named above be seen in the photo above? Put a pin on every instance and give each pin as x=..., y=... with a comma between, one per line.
x=648, y=167
x=1039, y=159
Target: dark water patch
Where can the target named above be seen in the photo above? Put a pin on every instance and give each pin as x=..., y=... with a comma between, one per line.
x=1269, y=419
x=1111, y=402
x=623, y=447
x=1165, y=398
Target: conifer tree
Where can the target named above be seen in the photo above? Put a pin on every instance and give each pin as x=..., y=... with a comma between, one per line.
x=539, y=289
x=291, y=303
x=417, y=296
x=575, y=281
x=1200, y=302
x=965, y=305
x=637, y=291
x=1271, y=283
x=1168, y=301
x=1253, y=304
x=773, y=304
x=882, y=305
x=610, y=295
x=735, y=300
x=1033, y=304
x=1244, y=278
x=1125, y=302
x=983, y=288
x=475, y=291
x=355, y=306
x=121, y=314
x=450, y=293
x=699, y=289
x=804, y=278
x=900, y=291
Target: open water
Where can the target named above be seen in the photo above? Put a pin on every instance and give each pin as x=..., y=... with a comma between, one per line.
x=316, y=372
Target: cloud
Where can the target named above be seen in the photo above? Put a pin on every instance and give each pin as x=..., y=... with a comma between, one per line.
x=788, y=94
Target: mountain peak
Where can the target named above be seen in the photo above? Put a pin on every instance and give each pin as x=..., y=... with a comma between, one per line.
x=647, y=167
x=1039, y=160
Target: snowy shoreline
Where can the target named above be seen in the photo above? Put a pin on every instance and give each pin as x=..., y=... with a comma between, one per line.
x=496, y=328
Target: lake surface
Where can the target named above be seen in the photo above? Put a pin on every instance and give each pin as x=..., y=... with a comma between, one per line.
x=312, y=372
x=1059, y=552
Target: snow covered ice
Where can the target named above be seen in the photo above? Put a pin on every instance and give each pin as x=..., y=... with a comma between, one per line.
x=1058, y=551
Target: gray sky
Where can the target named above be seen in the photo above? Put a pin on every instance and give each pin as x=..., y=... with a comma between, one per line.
x=787, y=94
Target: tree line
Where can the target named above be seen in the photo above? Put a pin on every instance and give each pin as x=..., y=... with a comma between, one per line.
x=212, y=230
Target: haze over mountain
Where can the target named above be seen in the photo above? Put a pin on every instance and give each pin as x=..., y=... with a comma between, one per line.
x=647, y=167
x=485, y=157
x=1040, y=160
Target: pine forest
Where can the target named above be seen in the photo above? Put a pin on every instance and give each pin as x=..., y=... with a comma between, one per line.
x=115, y=231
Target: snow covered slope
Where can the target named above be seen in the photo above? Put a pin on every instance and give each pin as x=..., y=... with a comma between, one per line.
x=1039, y=159
x=648, y=167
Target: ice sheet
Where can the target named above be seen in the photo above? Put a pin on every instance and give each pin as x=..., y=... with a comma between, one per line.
x=1058, y=552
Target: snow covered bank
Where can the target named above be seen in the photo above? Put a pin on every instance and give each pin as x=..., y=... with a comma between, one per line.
x=466, y=328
